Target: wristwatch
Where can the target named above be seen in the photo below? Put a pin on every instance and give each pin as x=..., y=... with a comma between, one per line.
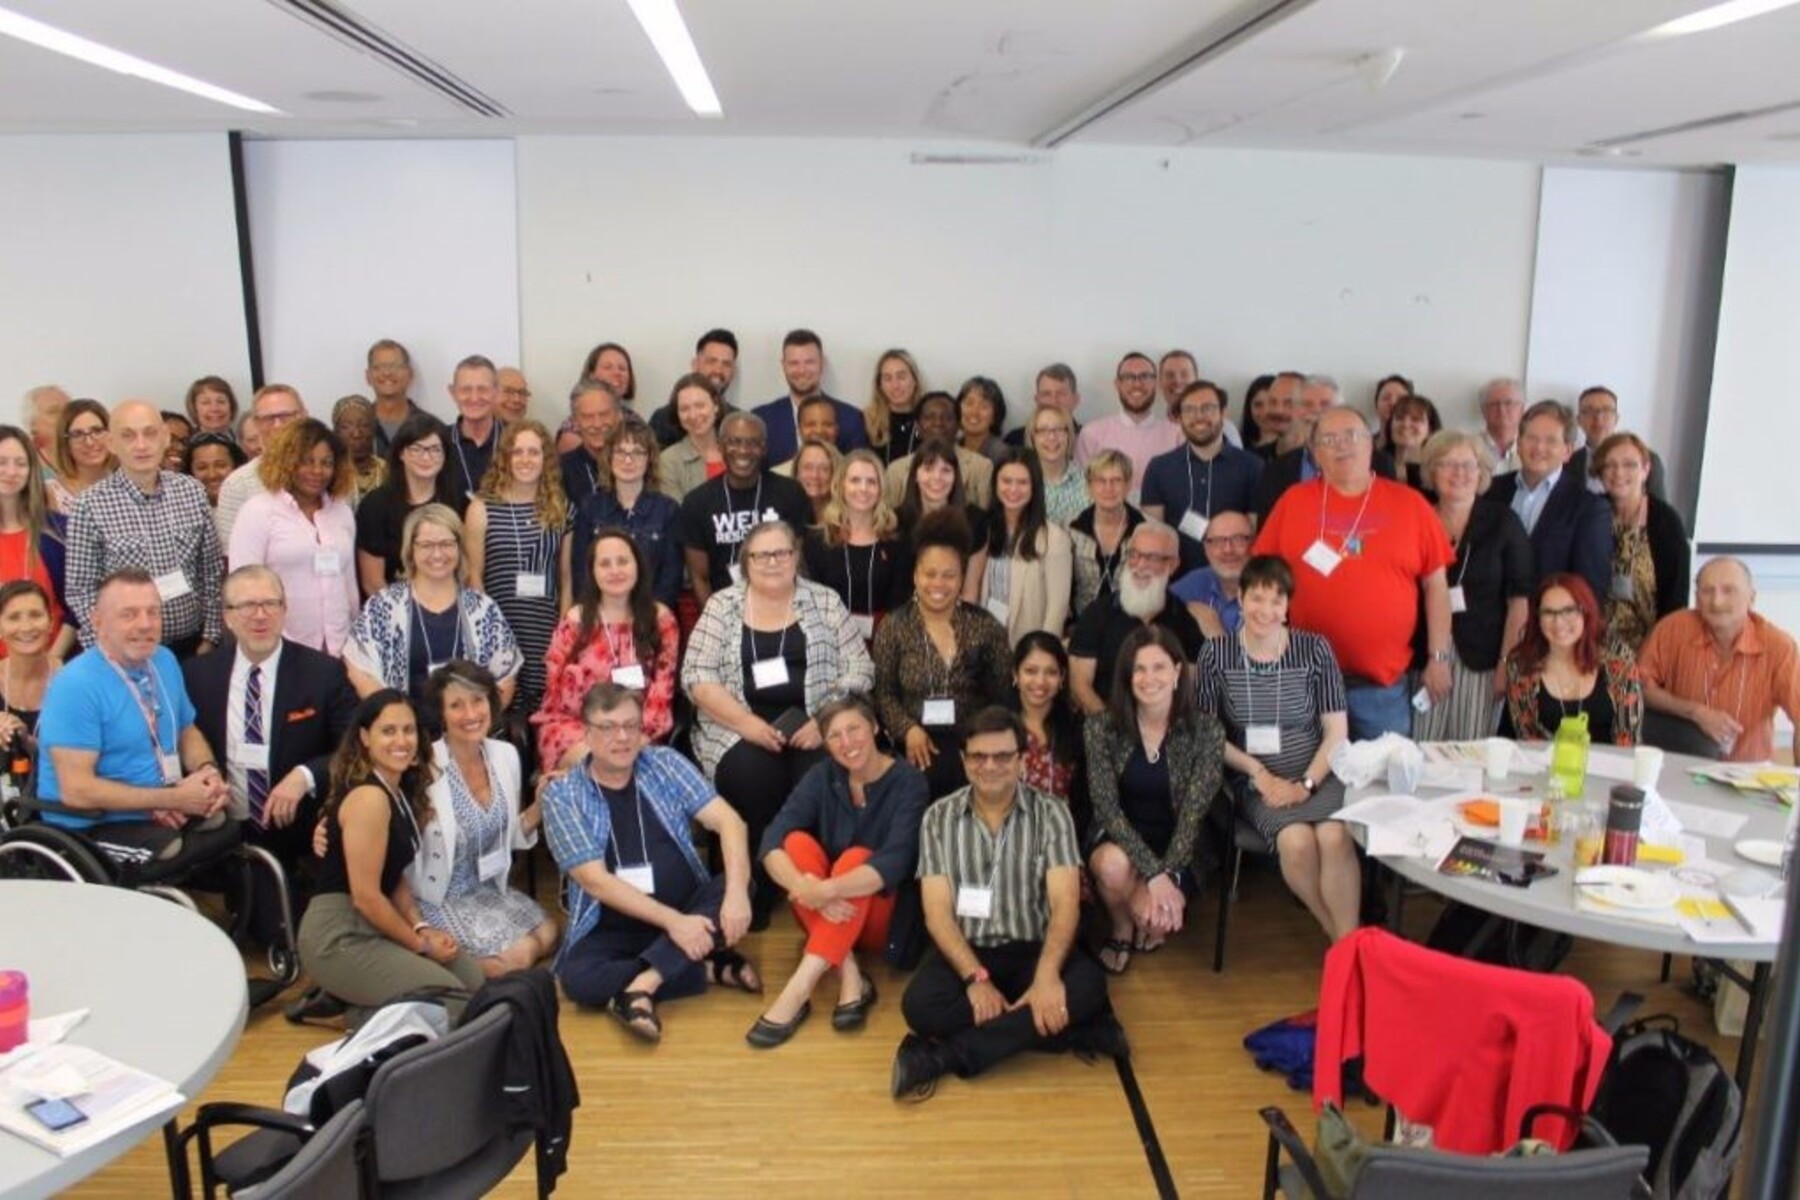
x=978, y=975
x=1310, y=784
x=1442, y=656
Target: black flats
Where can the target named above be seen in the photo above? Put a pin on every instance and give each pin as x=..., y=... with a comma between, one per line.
x=847, y=1018
x=766, y=1035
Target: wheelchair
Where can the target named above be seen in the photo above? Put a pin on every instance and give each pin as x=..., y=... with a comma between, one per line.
x=32, y=848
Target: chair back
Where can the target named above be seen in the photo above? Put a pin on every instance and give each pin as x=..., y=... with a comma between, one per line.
x=1676, y=735
x=1396, y=1173
x=438, y=1111
x=330, y=1166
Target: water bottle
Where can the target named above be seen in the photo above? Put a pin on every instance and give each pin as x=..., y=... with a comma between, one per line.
x=1569, y=755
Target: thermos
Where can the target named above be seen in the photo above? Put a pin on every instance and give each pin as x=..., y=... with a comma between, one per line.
x=1624, y=816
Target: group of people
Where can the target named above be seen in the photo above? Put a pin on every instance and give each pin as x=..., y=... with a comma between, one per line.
x=920, y=676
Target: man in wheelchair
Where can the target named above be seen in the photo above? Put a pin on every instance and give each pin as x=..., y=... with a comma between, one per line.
x=120, y=758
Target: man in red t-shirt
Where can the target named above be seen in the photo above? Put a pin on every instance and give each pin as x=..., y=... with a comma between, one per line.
x=1362, y=548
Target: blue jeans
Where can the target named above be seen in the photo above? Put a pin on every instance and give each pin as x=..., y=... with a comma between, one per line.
x=1376, y=710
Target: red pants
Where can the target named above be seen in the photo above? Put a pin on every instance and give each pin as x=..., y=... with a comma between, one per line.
x=866, y=930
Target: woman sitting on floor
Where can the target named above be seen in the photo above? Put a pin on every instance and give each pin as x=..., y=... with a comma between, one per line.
x=840, y=848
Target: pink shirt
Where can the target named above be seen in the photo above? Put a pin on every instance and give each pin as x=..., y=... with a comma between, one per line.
x=321, y=603
x=1139, y=439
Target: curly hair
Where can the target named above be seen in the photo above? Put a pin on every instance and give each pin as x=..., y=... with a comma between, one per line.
x=551, y=502
x=282, y=457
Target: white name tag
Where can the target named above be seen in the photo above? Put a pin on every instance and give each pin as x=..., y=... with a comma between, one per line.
x=1458, y=602
x=643, y=878
x=939, y=711
x=1421, y=700
x=254, y=757
x=172, y=585
x=1262, y=739
x=736, y=572
x=530, y=586
x=1322, y=558
x=629, y=676
x=327, y=562
x=977, y=902
x=495, y=863
x=996, y=608
x=171, y=767
x=1193, y=525
x=769, y=672
x=865, y=626
x=1623, y=588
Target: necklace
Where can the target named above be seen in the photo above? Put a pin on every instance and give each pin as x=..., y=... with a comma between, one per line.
x=1152, y=755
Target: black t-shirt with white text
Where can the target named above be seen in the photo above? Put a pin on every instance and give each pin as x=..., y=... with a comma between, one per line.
x=715, y=517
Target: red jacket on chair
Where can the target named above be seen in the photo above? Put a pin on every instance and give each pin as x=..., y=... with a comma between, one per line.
x=1460, y=1046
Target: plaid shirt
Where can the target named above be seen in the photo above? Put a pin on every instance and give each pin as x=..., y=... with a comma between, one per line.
x=116, y=524
x=579, y=825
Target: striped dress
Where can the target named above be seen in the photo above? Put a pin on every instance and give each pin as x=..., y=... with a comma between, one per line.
x=517, y=543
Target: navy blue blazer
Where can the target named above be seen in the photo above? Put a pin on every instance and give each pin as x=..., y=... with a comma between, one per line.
x=784, y=440
x=1573, y=533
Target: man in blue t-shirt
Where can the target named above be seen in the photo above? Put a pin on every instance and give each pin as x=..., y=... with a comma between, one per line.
x=1211, y=593
x=120, y=757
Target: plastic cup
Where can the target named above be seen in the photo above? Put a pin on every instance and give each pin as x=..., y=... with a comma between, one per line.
x=1515, y=814
x=1497, y=758
x=1646, y=767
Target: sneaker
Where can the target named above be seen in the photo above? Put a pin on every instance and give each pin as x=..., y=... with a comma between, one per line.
x=1100, y=1037
x=917, y=1066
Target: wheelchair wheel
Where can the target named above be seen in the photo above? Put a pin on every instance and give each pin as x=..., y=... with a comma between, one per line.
x=38, y=851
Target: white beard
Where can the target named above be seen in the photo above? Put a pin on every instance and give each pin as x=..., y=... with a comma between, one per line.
x=1142, y=601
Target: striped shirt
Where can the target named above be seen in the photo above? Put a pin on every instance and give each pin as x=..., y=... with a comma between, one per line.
x=1293, y=692
x=166, y=532
x=518, y=544
x=1037, y=835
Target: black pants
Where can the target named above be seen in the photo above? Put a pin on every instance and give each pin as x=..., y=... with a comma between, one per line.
x=945, y=774
x=936, y=1004
x=598, y=967
x=756, y=783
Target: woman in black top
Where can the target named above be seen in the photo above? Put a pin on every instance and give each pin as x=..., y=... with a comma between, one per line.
x=415, y=478
x=362, y=939
x=1490, y=586
x=934, y=483
x=1412, y=422
x=856, y=550
x=1651, y=563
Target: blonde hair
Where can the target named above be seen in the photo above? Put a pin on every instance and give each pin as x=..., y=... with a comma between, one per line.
x=835, y=520
x=443, y=516
x=551, y=501
x=876, y=413
x=1446, y=440
x=1109, y=460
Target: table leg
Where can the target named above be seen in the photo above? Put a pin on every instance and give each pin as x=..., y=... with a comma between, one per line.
x=1397, y=909
x=1753, y=1014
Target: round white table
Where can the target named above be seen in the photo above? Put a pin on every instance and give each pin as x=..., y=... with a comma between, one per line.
x=1550, y=903
x=165, y=989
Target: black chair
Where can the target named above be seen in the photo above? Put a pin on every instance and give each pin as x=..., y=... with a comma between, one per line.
x=332, y=1165
x=436, y=1116
x=1244, y=839
x=1404, y=1173
x=1676, y=735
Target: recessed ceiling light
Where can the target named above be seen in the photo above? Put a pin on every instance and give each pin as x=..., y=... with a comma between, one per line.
x=1717, y=16
x=62, y=42
x=675, y=45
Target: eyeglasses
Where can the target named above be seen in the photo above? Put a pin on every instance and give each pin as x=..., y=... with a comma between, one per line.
x=612, y=729
x=1057, y=430
x=516, y=391
x=1201, y=410
x=1000, y=758
x=389, y=368
x=1558, y=614
x=630, y=452
x=768, y=558
x=1458, y=468
x=278, y=418
x=1146, y=556
x=85, y=435
x=1137, y=376
x=1339, y=441
x=261, y=608
x=1226, y=541
x=435, y=545
x=422, y=450
x=1608, y=411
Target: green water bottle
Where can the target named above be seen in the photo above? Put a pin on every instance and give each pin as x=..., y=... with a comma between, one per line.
x=1569, y=754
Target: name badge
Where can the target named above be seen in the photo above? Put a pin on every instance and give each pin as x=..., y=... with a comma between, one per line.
x=769, y=672
x=642, y=877
x=530, y=586
x=254, y=757
x=1421, y=700
x=327, y=562
x=1623, y=588
x=495, y=863
x=1193, y=525
x=736, y=571
x=1458, y=602
x=1262, y=739
x=939, y=711
x=629, y=677
x=865, y=626
x=976, y=902
x=996, y=608
x=1322, y=558
x=172, y=585
x=171, y=767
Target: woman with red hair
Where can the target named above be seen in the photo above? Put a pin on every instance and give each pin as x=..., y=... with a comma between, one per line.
x=1566, y=666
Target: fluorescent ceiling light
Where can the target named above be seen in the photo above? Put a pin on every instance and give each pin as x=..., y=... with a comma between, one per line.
x=669, y=34
x=1717, y=16
x=51, y=38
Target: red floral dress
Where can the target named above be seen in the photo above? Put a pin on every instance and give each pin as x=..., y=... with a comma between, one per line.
x=567, y=680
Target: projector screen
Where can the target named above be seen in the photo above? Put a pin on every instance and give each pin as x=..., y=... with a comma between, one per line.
x=1753, y=424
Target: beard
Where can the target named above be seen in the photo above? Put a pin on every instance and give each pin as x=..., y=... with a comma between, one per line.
x=1142, y=600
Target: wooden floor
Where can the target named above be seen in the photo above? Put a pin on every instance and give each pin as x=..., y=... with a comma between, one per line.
x=703, y=1115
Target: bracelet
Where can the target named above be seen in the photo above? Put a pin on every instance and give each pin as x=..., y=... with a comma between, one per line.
x=421, y=926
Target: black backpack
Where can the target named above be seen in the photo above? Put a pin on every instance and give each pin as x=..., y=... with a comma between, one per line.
x=1468, y=932
x=1669, y=1093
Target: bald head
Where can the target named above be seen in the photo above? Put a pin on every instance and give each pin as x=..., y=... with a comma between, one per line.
x=139, y=438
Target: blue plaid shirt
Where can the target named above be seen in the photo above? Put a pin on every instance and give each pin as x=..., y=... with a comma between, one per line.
x=579, y=825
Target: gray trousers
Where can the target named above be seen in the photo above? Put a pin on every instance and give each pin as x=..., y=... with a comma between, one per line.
x=361, y=966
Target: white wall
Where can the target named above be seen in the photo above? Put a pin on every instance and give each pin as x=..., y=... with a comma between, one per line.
x=118, y=267
x=358, y=240
x=1625, y=294
x=1255, y=261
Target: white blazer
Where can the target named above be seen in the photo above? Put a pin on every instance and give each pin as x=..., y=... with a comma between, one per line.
x=431, y=868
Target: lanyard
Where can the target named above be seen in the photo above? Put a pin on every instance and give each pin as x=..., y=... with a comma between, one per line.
x=781, y=642
x=1005, y=832
x=755, y=507
x=616, y=650
x=431, y=657
x=1209, y=480
x=637, y=804
x=850, y=580
x=152, y=712
x=529, y=564
x=1350, y=545
x=399, y=801
x=456, y=439
x=1737, y=710
x=1250, y=676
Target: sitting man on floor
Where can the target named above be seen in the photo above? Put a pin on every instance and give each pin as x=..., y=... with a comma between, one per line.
x=1000, y=880
x=121, y=758
x=647, y=921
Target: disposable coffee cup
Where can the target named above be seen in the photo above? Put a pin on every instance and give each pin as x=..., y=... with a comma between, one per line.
x=1497, y=755
x=1515, y=815
x=1646, y=767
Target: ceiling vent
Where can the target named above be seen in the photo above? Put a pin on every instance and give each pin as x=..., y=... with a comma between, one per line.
x=338, y=22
